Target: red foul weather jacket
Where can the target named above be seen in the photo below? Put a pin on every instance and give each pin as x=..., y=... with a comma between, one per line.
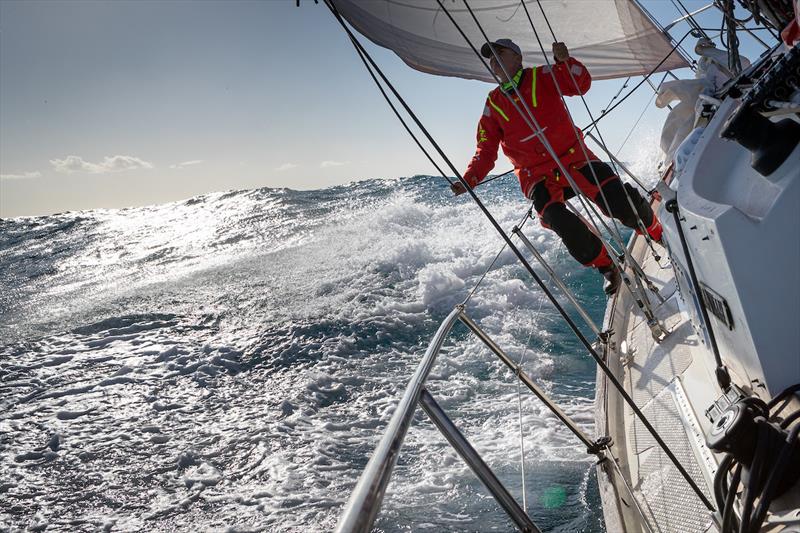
x=502, y=125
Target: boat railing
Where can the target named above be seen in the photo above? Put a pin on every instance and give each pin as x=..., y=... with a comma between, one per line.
x=365, y=501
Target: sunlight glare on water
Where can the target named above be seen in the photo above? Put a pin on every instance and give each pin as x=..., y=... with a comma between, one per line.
x=230, y=361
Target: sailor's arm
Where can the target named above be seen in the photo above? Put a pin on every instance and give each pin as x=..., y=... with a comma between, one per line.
x=488, y=140
x=572, y=76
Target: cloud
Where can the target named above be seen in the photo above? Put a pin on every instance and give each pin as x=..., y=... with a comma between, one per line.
x=187, y=164
x=327, y=164
x=117, y=163
x=286, y=166
x=24, y=176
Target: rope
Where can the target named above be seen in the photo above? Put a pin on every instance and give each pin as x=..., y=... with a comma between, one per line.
x=767, y=469
x=729, y=20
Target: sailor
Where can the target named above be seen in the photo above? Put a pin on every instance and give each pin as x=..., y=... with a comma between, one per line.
x=540, y=177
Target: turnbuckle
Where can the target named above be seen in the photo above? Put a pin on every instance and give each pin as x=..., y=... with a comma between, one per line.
x=602, y=443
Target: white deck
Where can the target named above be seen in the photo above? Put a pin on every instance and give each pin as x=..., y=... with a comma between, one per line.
x=656, y=376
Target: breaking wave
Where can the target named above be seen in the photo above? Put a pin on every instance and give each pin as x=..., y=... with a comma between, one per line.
x=230, y=361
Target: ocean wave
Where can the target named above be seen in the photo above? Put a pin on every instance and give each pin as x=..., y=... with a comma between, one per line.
x=230, y=361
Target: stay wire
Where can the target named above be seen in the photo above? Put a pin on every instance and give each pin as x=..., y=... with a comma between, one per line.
x=487, y=180
x=637, y=271
x=641, y=115
x=622, y=88
x=486, y=272
x=396, y=112
x=689, y=17
x=519, y=410
x=582, y=338
x=640, y=299
x=642, y=82
x=338, y=16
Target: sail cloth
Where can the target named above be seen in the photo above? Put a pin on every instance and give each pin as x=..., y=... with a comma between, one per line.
x=613, y=38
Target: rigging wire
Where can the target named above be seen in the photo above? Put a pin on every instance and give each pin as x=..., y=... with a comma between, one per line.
x=519, y=411
x=642, y=82
x=633, y=128
x=559, y=253
x=489, y=268
x=622, y=88
x=681, y=51
x=646, y=107
x=397, y=113
x=581, y=337
x=584, y=341
x=689, y=17
x=636, y=268
x=504, y=174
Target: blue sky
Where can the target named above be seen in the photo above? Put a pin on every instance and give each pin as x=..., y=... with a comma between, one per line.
x=121, y=103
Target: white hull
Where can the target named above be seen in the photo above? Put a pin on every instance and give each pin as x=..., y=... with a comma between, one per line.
x=742, y=232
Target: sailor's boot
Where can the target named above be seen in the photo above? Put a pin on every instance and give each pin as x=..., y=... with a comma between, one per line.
x=611, y=274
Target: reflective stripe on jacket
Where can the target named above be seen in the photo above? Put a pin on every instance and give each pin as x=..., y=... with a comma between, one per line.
x=502, y=125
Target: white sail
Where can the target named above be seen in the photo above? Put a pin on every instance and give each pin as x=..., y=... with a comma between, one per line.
x=613, y=38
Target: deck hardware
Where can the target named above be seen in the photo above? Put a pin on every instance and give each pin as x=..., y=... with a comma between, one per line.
x=600, y=444
x=615, y=462
x=770, y=143
x=658, y=332
x=717, y=305
x=759, y=444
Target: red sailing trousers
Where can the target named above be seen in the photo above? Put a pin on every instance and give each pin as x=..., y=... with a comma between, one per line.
x=549, y=195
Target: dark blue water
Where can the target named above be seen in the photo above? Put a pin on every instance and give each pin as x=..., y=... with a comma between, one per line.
x=229, y=362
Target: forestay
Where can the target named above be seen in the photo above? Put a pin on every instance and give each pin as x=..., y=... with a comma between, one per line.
x=613, y=38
